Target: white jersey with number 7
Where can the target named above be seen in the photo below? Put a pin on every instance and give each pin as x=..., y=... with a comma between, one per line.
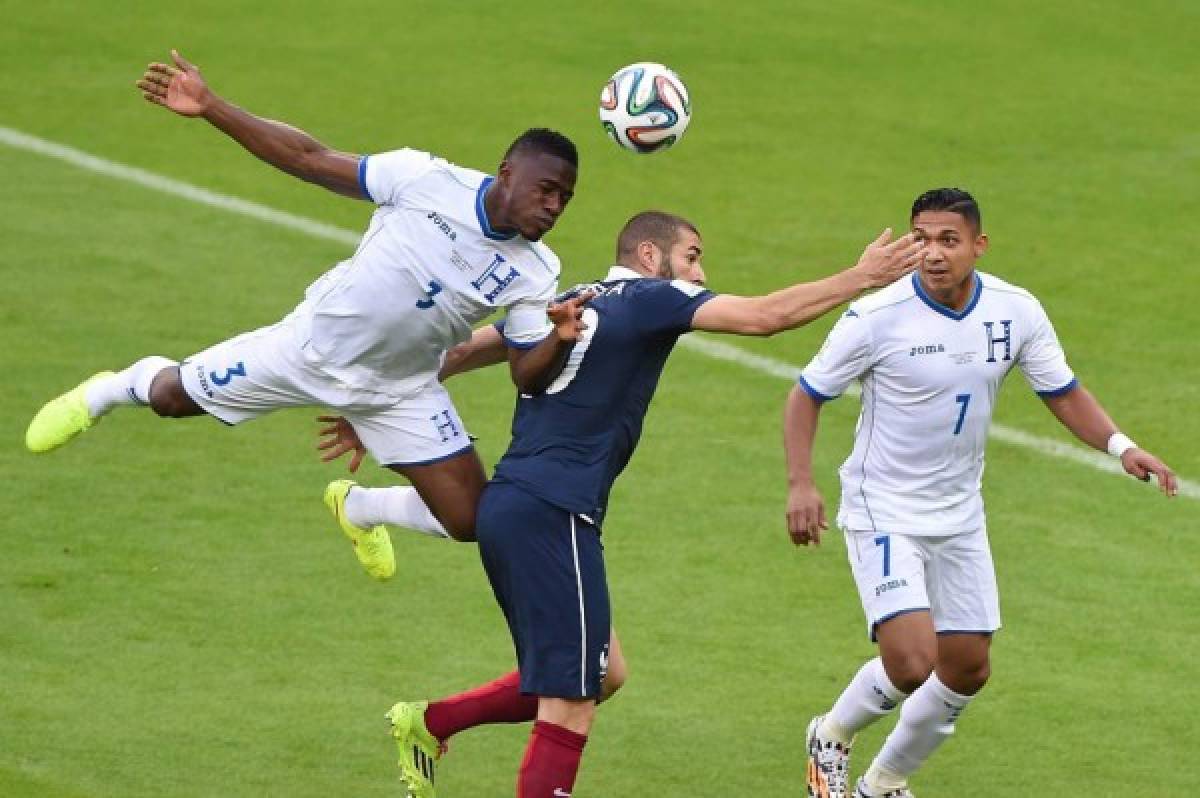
x=930, y=376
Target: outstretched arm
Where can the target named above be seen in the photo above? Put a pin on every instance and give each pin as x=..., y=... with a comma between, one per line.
x=485, y=348
x=180, y=88
x=1079, y=412
x=881, y=263
x=805, y=508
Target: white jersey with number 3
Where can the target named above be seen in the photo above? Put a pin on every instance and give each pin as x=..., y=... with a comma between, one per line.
x=930, y=376
x=428, y=269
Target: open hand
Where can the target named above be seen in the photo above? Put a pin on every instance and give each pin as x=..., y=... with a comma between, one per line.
x=337, y=439
x=178, y=87
x=883, y=263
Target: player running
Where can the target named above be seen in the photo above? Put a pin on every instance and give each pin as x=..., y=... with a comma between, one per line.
x=931, y=351
x=540, y=516
x=446, y=248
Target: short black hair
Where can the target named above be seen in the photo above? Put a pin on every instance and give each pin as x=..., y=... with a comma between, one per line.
x=542, y=139
x=658, y=227
x=954, y=200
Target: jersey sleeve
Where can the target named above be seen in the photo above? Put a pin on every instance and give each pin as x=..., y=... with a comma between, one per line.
x=844, y=357
x=526, y=322
x=1042, y=359
x=667, y=307
x=383, y=177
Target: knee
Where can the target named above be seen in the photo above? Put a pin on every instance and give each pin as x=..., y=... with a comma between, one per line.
x=908, y=670
x=968, y=679
x=575, y=715
x=167, y=397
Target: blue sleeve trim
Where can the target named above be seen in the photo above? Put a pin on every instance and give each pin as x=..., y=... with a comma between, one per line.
x=813, y=392
x=362, y=178
x=499, y=325
x=1070, y=386
x=516, y=345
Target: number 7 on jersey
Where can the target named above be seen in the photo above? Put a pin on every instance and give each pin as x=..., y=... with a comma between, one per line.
x=964, y=399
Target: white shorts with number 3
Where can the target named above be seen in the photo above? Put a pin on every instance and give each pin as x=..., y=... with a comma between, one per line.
x=260, y=371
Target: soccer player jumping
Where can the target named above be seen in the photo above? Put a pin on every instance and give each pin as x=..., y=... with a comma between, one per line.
x=931, y=351
x=446, y=247
x=540, y=517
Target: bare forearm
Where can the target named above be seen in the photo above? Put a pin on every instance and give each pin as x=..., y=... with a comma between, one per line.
x=1079, y=412
x=279, y=144
x=287, y=148
x=780, y=310
x=800, y=304
x=800, y=417
x=534, y=370
x=486, y=348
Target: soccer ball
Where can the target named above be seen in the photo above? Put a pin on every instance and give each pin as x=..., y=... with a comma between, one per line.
x=645, y=107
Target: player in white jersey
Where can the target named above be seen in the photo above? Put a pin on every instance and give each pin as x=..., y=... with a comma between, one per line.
x=446, y=247
x=931, y=351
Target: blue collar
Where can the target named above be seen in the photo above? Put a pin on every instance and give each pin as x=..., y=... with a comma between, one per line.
x=945, y=311
x=481, y=214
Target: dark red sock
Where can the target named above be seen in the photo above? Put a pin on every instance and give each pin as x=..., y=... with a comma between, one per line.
x=551, y=762
x=495, y=702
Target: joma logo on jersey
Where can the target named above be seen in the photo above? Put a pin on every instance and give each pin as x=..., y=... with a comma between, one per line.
x=495, y=279
x=442, y=225
x=930, y=349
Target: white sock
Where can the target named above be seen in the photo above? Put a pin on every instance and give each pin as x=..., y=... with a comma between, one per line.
x=399, y=506
x=128, y=387
x=869, y=696
x=926, y=720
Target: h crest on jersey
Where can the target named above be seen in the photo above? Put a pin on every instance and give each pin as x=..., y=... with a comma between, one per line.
x=993, y=341
x=494, y=279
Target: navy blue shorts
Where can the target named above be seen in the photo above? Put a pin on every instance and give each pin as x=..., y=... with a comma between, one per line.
x=546, y=567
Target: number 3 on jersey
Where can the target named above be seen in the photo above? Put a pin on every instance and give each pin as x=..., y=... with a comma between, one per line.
x=963, y=399
x=237, y=371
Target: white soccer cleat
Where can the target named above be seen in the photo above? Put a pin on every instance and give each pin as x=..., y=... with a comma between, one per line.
x=861, y=790
x=828, y=769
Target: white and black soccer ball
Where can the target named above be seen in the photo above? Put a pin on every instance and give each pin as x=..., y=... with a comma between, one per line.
x=645, y=107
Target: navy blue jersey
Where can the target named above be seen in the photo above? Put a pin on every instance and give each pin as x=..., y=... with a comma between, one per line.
x=571, y=442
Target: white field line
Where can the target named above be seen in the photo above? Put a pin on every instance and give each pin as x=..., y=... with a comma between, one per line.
x=715, y=349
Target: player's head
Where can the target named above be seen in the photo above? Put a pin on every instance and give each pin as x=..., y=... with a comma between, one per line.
x=659, y=244
x=534, y=183
x=947, y=221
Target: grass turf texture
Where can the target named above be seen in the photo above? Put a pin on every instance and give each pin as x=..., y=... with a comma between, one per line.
x=178, y=616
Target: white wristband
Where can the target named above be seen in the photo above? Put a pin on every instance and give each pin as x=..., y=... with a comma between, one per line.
x=1118, y=444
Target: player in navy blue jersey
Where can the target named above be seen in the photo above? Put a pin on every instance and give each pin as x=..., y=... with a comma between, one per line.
x=539, y=518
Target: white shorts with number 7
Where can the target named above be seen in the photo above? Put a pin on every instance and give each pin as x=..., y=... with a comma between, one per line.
x=952, y=576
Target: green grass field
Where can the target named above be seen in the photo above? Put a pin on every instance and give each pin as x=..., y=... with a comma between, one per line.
x=178, y=615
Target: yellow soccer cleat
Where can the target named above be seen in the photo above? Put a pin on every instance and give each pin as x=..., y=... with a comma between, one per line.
x=63, y=418
x=418, y=749
x=373, y=546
